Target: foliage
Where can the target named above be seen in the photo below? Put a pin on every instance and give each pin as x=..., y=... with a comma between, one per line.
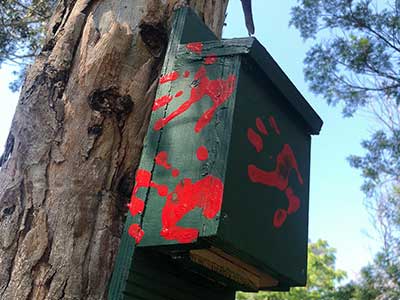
x=22, y=30
x=321, y=277
x=359, y=61
x=374, y=283
x=381, y=164
x=355, y=61
x=383, y=275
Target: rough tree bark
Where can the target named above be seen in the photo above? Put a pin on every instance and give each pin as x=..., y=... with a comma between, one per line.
x=75, y=142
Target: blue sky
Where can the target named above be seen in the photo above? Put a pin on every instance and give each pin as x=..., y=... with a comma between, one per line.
x=337, y=213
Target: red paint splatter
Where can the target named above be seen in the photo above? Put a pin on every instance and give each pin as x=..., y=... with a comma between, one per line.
x=261, y=126
x=255, y=139
x=218, y=90
x=178, y=94
x=162, y=101
x=279, y=178
x=161, y=188
x=143, y=179
x=136, y=205
x=273, y=124
x=186, y=74
x=136, y=232
x=279, y=217
x=202, y=153
x=161, y=159
x=169, y=77
x=205, y=194
x=210, y=59
x=196, y=47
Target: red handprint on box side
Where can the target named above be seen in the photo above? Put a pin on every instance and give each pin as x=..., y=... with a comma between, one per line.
x=279, y=177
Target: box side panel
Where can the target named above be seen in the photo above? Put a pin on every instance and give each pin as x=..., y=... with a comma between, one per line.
x=158, y=278
x=265, y=211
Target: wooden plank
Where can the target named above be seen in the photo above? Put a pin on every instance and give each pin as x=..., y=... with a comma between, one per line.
x=218, y=261
x=156, y=277
x=181, y=142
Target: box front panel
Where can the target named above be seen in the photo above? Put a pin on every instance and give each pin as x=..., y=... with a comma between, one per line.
x=265, y=210
x=188, y=137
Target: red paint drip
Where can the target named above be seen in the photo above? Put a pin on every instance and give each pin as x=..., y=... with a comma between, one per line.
x=210, y=59
x=196, y=47
x=136, y=232
x=279, y=217
x=169, y=77
x=279, y=178
x=162, y=160
x=162, y=101
x=261, y=126
x=255, y=139
x=273, y=124
x=186, y=74
x=218, y=90
x=202, y=153
x=205, y=194
x=178, y=94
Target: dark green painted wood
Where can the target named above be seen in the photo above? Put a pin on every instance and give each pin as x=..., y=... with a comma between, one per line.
x=244, y=226
x=181, y=142
x=158, y=277
x=247, y=229
x=271, y=71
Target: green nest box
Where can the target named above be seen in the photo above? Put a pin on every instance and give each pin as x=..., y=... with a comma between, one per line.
x=223, y=182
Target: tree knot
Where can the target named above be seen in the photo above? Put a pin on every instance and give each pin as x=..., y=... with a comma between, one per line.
x=110, y=102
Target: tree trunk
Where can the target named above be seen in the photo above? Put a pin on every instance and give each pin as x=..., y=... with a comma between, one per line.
x=75, y=142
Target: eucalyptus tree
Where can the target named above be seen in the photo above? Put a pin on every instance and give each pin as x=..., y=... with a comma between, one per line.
x=76, y=137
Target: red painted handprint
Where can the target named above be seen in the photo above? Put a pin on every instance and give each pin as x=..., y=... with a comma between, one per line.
x=218, y=90
x=279, y=177
x=206, y=194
